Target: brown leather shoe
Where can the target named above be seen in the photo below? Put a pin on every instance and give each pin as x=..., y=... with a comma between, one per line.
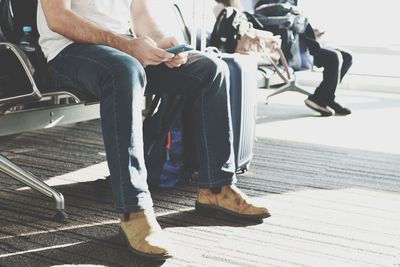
x=229, y=201
x=144, y=236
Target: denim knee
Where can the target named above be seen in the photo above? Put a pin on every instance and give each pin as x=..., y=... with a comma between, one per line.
x=126, y=75
x=214, y=69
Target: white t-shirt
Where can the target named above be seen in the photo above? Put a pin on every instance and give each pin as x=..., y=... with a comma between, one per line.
x=111, y=14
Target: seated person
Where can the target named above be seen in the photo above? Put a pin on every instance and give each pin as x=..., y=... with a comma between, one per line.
x=221, y=4
x=87, y=48
x=243, y=5
x=336, y=63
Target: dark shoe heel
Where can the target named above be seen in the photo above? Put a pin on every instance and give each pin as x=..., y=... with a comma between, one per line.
x=204, y=210
x=122, y=236
x=318, y=107
x=339, y=110
x=219, y=213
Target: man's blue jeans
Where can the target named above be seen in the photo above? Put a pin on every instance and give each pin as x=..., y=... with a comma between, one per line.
x=118, y=80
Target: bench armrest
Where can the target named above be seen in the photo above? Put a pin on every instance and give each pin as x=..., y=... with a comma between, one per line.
x=13, y=51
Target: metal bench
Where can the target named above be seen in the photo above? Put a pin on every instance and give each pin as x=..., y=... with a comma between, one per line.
x=28, y=100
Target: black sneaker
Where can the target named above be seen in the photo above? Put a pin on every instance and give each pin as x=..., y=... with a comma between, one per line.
x=339, y=110
x=314, y=105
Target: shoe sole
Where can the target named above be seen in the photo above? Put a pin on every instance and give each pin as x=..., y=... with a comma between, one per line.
x=213, y=210
x=342, y=114
x=317, y=108
x=150, y=256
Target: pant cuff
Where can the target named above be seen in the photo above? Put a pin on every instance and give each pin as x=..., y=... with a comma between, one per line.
x=216, y=183
x=143, y=204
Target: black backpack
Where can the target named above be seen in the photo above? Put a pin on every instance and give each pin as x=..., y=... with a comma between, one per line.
x=160, y=119
x=229, y=26
x=163, y=115
x=14, y=15
x=281, y=18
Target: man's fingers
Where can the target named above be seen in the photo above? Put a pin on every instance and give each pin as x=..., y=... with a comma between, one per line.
x=151, y=62
x=180, y=58
x=174, y=63
x=169, y=65
x=182, y=55
x=162, y=54
x=184, y=60
x=153, y=57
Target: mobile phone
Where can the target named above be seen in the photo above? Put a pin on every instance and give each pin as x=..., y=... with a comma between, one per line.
x=179, y=49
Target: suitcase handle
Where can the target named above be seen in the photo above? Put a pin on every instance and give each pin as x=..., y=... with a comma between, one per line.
x=214, y=50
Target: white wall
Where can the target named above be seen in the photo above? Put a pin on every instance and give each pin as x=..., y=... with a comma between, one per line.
x=356, y=22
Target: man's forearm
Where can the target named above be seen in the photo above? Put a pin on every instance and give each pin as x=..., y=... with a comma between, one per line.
x=81, y=30
x=143, y=23
x=151, y=29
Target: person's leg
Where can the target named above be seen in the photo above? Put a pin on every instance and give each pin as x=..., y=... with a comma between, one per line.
x=334, y=61
x=347, y=63
x=204, y=80
x=331, y=61
x=335, y=64
x=118, y=80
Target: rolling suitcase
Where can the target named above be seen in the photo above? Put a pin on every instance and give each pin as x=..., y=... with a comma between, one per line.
x=243, y=85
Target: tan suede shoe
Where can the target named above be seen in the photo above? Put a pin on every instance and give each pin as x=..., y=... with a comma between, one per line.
x=229, y=201
x=145, y=237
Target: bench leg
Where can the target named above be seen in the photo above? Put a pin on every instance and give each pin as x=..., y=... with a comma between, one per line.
x=289, y=87
x=284, y=88
x=298, y=89
x=33, y=182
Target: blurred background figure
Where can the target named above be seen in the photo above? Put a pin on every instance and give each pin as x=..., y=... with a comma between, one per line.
x=336, y=63
x=302, y=47
x=221, y=4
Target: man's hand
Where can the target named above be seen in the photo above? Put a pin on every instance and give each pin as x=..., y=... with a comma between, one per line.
x=318, y=34
x=146, y=51
x=178, y=59
x=144, y=24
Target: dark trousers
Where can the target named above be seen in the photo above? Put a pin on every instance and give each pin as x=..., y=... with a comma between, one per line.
x=118, y=80
x=336, y=63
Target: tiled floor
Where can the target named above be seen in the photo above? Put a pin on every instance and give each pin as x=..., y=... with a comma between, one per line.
x=332, y=185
